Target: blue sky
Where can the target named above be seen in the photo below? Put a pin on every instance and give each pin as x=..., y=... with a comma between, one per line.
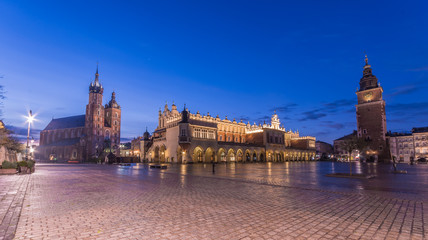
x=243, y=59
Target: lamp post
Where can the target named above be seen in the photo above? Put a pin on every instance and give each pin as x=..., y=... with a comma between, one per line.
x=30, y=119
x=32, y=149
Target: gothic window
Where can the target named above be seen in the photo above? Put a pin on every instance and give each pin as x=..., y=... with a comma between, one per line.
x=107, y=114
x=115, y=115
x=183, y=132
x=365, y=131
x=98, y=113
x=228, y=139
x=107, y=134
x=221, y=138
x=204, y=133
x=115, y=122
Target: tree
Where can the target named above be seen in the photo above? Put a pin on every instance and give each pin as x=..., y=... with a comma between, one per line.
x=7, y=140
x=351, y=144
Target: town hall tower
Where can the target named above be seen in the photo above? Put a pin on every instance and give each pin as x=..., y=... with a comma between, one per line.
x=371, y=118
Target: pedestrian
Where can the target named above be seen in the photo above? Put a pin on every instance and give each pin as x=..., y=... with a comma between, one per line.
x=213, y=166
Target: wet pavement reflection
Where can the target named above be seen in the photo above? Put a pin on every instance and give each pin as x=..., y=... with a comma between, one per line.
x=312, y=175
x=307, y=175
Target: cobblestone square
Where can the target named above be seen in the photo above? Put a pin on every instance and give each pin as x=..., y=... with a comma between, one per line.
x=240, y=201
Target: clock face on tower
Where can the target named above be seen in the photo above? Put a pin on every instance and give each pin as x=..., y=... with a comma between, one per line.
x=368, y=96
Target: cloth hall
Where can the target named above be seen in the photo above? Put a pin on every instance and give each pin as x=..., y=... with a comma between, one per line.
x=183, y=137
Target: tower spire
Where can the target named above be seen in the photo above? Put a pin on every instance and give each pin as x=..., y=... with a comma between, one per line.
x=96, y=74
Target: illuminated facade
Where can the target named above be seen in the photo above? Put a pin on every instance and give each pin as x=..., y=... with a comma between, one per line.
x=408, y=147
x=84, y=136
x=183, y=137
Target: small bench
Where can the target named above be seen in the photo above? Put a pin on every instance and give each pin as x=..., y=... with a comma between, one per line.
x=159, y=166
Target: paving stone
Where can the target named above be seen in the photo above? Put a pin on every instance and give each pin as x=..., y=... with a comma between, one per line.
x=189, y=202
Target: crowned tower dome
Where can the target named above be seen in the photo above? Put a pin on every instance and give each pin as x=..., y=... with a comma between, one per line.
x=146, y=135
x=112, y=103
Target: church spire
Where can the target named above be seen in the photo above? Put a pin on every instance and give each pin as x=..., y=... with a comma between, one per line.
x=96, y=87
x=96, y=74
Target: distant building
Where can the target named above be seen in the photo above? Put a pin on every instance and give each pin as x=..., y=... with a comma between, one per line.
x=126, y=149
x=343, y=154
x=420, y=138
x=408, y=147
x=402, y=146
x=185, y=137
x=84, y=136
x=324, y=150
x=371, y=117
x=140, y=146
x=135, y=147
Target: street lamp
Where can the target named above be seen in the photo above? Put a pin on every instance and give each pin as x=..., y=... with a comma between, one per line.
x=30, y=119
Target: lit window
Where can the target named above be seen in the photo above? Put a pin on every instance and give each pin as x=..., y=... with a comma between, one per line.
x=197, y=133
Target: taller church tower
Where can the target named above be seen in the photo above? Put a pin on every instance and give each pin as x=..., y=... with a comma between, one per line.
x=94, y=121
x=371, y=118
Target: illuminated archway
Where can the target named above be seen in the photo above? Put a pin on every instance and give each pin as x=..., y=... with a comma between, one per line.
x=239, y=155
x=221, y=155
x=209, y=155
x=231, y=155
x=198, y=154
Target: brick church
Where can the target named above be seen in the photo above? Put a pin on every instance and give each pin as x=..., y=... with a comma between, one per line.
x=82, y=137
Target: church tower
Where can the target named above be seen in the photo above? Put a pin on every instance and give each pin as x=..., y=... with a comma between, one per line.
x=371, y=118
x=94, y=121
x=112, y=122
